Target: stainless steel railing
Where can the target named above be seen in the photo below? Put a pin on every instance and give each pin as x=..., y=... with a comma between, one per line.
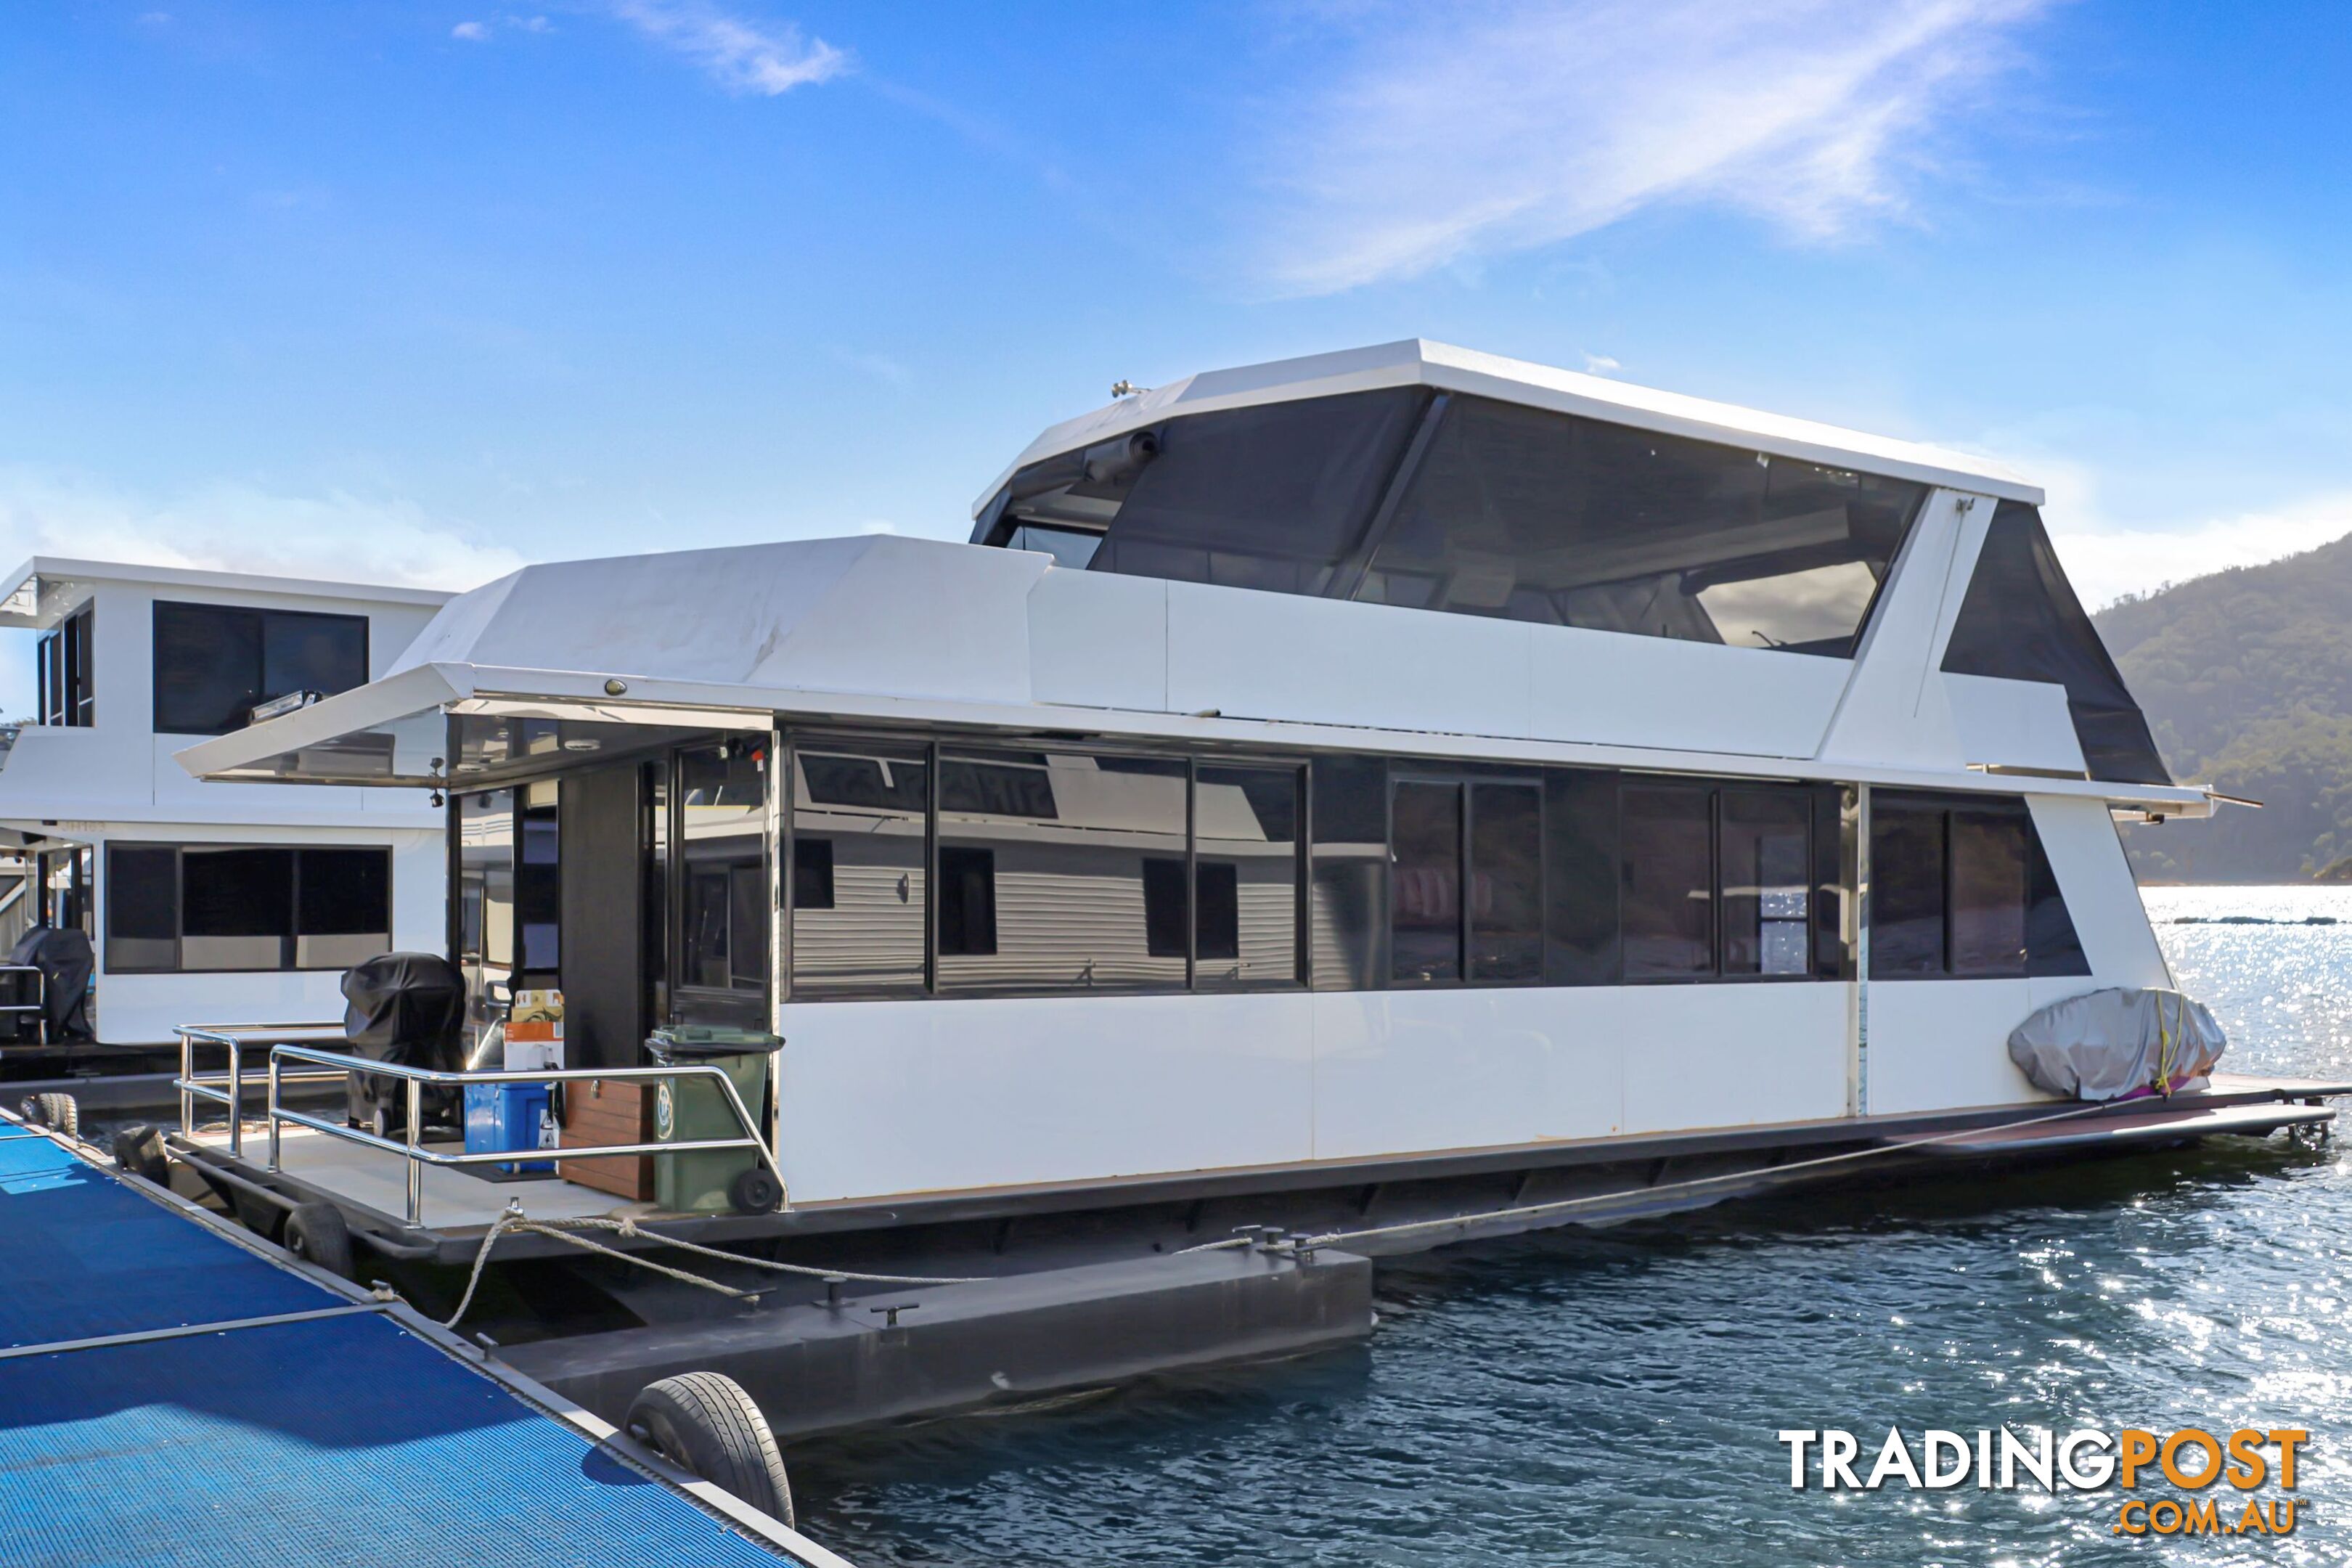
x=417, y=1157
x=227, y=1088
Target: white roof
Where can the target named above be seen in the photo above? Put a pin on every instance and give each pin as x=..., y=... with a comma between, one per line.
x=59, y=568
x=1418, y=361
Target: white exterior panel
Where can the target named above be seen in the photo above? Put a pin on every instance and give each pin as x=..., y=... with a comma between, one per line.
x=1937, y=1044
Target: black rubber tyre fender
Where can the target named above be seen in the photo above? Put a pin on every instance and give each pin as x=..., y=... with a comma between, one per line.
x=60, y=1111
x=316, y=1233
x=706, y=1425
x=754, y=1192
x=138, y=1148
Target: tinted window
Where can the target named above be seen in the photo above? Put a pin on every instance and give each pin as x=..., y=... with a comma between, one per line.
x=1348, y=900
x=1068, y=837
x=342, y=907
x=215, y=662
x=539, y=880
x=236, y=908
x=1906, y=889
x=722, y=793
x=858, y=826
x=2021, y=621
x=207, y=668
x=1425, y=890
x=1506, y=910
x=1274, y=496
x=1767, y=870
x=142, y=908
x=1581, y=877
x=1960, y=886
x=1987, y=933
x=1544, y=517
x=1245, y=898
x=1163, y=908
x=1669, y=881
x=67, y=691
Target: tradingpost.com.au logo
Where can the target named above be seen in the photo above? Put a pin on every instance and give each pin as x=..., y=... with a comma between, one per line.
x=2245, y=1461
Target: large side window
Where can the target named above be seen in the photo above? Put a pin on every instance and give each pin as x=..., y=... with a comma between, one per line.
x=1246, y=891
x=1960, y=889
x=1536, y=516
x=214, y=663
x=1669, y=875
x=1466, y=897
x=67, y=693
x=1767, y=865
x=1042, y=871
x=860, y=813
x=206, y=907
x=1347, y=895
x=722, y=973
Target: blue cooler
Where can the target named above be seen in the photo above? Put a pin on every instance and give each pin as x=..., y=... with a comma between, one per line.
x=502, y=1116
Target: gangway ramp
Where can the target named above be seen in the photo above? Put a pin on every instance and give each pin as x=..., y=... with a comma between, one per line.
x=172, y=1392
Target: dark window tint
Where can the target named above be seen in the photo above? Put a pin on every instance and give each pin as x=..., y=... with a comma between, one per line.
x=1070, y=836
x=2021, y=621
x=812, y=872
x=1767, y=870
x=538, y=881
x=142, y=908
x=859, y=821
x=1545, y=517
x=1987, y=935
x=1274, y=496
x=746, y=927
x=1507, y=911
x=1669, y=881
x=1581, y=877
x=967, y=902
x=1245, y=898
x=1347, y=900
x=214, y=663
x=1906, y=889
x=1426, y=871
x=66, y=690
x=236, y=908
x=1163, y=908
x=343, y=892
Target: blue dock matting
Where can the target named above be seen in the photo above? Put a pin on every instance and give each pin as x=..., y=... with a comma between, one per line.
x=344, y=1441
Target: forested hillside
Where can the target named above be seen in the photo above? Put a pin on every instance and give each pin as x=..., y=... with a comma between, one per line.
x=2246, y=677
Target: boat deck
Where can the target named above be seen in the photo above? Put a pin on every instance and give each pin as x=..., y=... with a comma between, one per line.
x=173, y=1392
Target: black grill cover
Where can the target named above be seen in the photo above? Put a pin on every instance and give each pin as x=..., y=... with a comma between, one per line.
x=63, y=956
x=405, y=1008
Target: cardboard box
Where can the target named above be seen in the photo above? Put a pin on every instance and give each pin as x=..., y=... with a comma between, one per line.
x=609, y=1110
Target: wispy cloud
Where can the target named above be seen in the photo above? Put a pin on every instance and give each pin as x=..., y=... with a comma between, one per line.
x=740, y=54
x=1449, y=133
x=472, y=32
x=239, y=527
x=2105, y=562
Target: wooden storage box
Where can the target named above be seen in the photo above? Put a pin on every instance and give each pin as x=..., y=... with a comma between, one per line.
x=609, y=1110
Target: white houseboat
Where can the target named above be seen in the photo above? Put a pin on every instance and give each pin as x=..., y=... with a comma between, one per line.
x=203, y=900
x=1391, y=783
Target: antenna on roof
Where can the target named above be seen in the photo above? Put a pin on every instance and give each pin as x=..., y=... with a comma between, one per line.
x=1125, y=388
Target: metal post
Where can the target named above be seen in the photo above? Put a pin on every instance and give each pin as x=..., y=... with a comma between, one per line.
x=236, y=1099
x=415, y=1168
x=187, y=1074
x=1863, y=912
x=273, y=1112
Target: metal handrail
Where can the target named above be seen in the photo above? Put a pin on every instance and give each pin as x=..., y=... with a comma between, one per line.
x=235, y=1038
x=417, y=1157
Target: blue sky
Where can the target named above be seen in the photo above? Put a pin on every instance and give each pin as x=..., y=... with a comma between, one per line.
x=418, y=290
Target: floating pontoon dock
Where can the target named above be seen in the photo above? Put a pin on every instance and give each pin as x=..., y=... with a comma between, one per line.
x=174, y=1392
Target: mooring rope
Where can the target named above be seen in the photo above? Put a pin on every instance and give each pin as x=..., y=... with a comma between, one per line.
x=1564, y=1206
x=514, y=1221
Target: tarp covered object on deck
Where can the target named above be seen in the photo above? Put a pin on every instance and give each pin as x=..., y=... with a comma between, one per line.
x=2105, y=1044
x=405, y=1008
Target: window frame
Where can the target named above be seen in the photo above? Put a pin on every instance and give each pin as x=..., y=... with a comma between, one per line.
x=2039, y=875
x=290, y=942
x=262, y=615
x=64, y=686
x=1716, y=785
x=1465, y=782
x=828, y=738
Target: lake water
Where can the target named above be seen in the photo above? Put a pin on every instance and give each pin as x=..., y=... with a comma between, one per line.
x=1612, y=1397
